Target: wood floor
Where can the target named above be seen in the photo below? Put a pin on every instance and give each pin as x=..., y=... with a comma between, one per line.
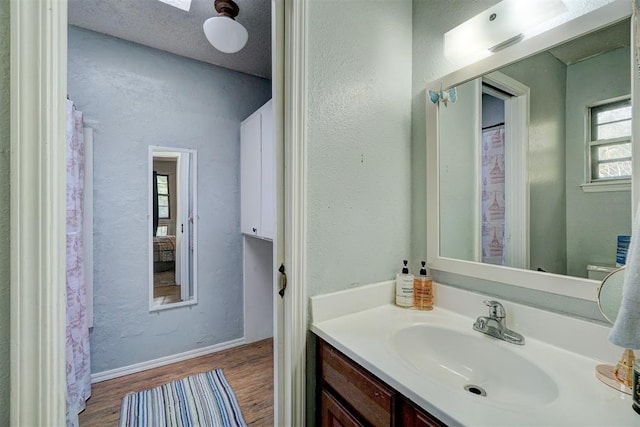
x=166, y=294
x=248, y=369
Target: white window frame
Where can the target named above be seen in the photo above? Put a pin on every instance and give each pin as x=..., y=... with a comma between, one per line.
x=602, y=185
x=168, y=195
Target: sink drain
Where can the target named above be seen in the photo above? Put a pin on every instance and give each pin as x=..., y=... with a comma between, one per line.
x=475, y=389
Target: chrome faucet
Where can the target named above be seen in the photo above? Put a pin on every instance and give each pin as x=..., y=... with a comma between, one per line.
x=494, y=325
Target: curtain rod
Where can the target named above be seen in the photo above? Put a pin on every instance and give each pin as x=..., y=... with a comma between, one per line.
x=493, y=126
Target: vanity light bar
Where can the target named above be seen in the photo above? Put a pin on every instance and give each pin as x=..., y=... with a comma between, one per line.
x=499, y=26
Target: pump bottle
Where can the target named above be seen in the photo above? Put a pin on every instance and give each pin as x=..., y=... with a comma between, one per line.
x=423, y=290
x=404, y=287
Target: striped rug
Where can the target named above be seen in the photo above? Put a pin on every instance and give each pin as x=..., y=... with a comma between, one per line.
x=204, y=399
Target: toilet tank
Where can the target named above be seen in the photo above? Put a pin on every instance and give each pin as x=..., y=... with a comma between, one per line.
x=598, y=272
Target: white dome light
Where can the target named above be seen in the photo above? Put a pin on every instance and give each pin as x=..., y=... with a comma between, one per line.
x=222, y=31
x=225, y=34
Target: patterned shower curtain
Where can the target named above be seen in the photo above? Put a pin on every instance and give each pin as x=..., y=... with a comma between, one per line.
x=493, y=215
x=77, y=345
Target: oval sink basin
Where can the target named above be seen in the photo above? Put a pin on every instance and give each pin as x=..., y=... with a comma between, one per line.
x=474, y=364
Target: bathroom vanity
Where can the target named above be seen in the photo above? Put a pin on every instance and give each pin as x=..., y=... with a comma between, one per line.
x=378, y=364
x=349, y=395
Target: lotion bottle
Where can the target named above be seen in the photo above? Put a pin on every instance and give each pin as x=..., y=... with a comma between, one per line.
x=423, y=290
x=404, y=287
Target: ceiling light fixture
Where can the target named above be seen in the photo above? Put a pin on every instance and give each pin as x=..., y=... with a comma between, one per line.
x=222, y=31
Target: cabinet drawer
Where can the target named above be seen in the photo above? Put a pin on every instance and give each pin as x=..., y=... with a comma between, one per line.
x=334, y=414
x=371, y=398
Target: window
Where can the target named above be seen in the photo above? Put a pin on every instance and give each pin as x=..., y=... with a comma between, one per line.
x=610, y=141
x=162, y=183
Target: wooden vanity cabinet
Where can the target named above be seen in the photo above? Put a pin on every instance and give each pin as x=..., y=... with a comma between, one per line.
x=412, y=416
x=333, y=414
x=348, y=395
x=360, y=393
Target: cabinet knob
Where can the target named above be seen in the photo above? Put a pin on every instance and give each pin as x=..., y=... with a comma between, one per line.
x=255, y=229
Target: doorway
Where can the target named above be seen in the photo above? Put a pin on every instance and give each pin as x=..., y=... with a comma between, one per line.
x=503, y=171
x=38, y=27
x=150, y=107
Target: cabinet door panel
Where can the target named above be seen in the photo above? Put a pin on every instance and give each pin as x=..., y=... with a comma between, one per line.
x=334, y=414
x=412, y=416
x=250, y=175
x=371, y=398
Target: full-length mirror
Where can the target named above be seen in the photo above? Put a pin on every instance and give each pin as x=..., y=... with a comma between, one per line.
x=566, y=197
x=172, y=227
x=535, y=160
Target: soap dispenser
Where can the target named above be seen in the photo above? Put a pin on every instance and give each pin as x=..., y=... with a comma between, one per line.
x=423, y=290
x=404, y=287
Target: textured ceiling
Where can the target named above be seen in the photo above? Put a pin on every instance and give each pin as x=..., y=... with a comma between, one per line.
x=158, y=25
x=594, y=44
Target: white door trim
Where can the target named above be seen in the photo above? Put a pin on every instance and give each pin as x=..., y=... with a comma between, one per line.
x=182, y=224
x=38, y=211
x=295, y=179
x=278, y=95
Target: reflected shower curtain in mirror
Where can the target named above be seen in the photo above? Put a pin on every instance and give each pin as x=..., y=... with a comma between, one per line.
x=493, y=215
x=78, y=370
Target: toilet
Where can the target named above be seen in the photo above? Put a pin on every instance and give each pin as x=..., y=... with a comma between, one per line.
x=598, y=272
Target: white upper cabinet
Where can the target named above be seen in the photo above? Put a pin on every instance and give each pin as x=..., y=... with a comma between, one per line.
x=257, y=174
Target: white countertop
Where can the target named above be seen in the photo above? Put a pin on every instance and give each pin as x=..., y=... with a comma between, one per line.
x=361, y=322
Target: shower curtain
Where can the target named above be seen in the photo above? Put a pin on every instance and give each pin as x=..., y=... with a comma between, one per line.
x=78, y=370
x=493, y=193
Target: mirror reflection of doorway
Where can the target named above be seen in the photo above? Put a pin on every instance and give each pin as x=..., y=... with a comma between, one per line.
x=172, y=227
x=504, y=178
x=493, y=175
x=166, y=289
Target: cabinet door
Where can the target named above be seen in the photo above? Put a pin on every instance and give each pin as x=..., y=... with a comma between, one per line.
x=412, y=416
x=268, y=172
x=368, y=396
x=333, y=414
x=250, y=175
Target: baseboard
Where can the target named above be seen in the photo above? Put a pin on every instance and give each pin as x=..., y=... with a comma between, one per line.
x=162, y=361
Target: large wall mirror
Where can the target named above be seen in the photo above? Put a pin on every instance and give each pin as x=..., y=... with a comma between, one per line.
x=172, y=227
x=531, y=166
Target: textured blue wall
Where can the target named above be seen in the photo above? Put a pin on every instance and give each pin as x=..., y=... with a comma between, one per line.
x=134, y=97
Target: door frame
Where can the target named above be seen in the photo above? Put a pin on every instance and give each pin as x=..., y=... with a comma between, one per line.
x=38, y=209
x=290, y=311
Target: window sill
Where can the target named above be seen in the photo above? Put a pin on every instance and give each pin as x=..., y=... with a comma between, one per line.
x=599, y=187
x=160, y=307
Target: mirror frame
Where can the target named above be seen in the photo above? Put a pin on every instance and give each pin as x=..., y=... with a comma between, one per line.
x=193, y=173
x=575, y=287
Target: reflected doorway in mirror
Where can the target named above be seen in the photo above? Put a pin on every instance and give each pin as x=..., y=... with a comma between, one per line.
x=172, y=227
